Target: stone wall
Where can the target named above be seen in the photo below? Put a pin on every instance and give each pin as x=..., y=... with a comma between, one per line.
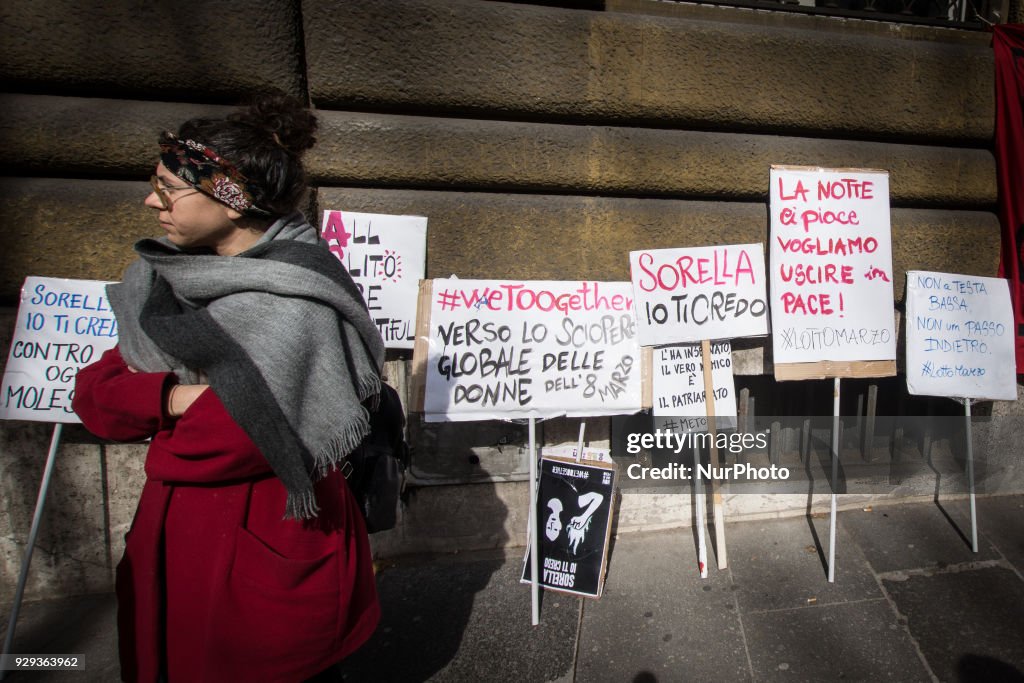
x=542, y=143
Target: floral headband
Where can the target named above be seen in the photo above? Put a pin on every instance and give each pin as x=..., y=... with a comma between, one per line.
x=208, y=172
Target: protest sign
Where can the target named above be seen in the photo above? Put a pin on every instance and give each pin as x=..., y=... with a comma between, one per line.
x=574, y=512
x=960, y=340
x=386, y=256
x=696, y=295
x=831, y=256
x=518, y=349
x=62, y=325
x=689, y=295
x=679, y=381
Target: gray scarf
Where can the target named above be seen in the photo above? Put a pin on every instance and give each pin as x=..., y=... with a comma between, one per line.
x=279, y=331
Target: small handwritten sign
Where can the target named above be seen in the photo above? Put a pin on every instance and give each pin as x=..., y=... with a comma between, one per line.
x=62, y=325
x=589, y=453
x=574, y=513
x=679, y=380
x=831, y=256
x=688, y=295
x=518, y=349
x=960, y=340
x=386, y=256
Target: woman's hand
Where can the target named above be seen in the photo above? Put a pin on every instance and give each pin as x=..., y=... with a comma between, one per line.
x=181, y=396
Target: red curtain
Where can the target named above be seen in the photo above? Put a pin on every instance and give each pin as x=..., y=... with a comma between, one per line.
x=1008, y=44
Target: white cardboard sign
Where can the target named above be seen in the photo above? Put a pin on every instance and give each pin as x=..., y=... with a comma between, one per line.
x=831, y=256
x=386, y=256
x=519, y=349
x=679, y=380
x=693, y=294
x=62, y=325
x=960, y=340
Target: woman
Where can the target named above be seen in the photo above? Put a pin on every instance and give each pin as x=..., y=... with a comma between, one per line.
x=246, y=354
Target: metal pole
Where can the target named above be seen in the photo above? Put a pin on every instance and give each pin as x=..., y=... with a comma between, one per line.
x=835, y=475
x=970, y=475
x=579, y=444
x=31, y=544
x=534, y=541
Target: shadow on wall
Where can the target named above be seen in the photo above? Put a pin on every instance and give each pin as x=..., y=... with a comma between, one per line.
x=72, y=554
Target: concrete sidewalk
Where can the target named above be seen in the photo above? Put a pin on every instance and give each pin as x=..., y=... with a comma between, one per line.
x=911, y=602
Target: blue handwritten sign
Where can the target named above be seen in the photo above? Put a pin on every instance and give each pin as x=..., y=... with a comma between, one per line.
x=959, y=336
x=62, y=325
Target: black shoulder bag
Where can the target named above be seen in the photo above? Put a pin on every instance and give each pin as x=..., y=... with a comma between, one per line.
x=375, y=470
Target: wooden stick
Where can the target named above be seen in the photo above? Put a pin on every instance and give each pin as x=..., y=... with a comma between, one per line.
x=418, y=382
x=716, y=495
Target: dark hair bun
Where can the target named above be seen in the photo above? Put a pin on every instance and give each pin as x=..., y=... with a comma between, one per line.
x=284, y=119
x=264, y=142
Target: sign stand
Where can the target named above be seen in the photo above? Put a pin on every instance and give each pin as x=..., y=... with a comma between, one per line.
x=970, y=473
x=39, y=386
x=31, y=544
x=534, y=541
x=940, y=362
x=483, y=352
x=696, y=294
x=716, y=495
x=832, y=289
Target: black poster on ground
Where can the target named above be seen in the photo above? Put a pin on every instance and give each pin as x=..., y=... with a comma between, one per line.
x=574, y=507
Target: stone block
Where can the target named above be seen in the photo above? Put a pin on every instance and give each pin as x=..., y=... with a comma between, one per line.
x=430, y=152
x=223, y=50
x=71, y=554
x=965, y=242
x=48, y=135
x=454, y=518
x=565, y=431
x=550, y=64
x=125, y=478
x=449, y=452
x=553, y=237
x=56, y=227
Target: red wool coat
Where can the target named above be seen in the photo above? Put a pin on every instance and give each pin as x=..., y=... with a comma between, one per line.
x=214, y=585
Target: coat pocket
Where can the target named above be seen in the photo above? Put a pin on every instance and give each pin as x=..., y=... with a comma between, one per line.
x=278, y=618
x=258, y=564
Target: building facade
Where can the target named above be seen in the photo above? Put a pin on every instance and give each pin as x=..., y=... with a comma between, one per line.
x=542, y=141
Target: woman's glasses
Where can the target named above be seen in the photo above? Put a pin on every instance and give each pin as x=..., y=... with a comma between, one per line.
x=163, y=192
